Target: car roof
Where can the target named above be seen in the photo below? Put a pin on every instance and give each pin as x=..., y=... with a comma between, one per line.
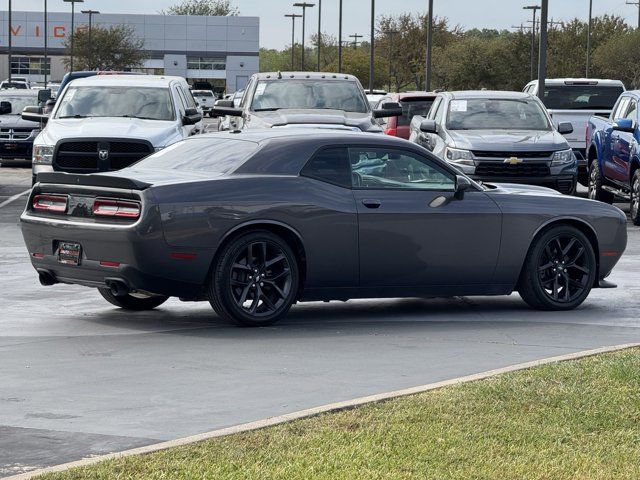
x=304, y=75
x=417, y=94
x=156, y=81
x=579, y=81
x=498, y=94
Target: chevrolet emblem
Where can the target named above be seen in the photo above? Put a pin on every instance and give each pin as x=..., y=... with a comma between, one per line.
x=512, y=160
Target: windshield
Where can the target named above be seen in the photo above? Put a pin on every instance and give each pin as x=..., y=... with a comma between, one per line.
x=496, y=113
x=202, y=93
x=309, y=94
x=121, y=101
x=18, y=85
x=19, y=102
x=579, y=97
x=412, y=107
x=205, y=155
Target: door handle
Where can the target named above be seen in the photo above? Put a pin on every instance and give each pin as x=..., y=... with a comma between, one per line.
x=371, y=203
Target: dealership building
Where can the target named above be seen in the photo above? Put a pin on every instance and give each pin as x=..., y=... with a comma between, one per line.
x=221, y=50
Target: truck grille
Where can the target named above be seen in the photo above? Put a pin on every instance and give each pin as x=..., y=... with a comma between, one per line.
x=15, y=133
x=504, y=155
x=494, y=169
x=84, y=156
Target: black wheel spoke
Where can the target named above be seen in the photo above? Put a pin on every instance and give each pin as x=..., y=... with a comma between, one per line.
x=267, y=301
x=565, y=250
x=556, y=288
x=277, y=276
x=276, y=288
x=546, y=266
x=245, y=293
x=239, y=266
x=239, y=283
x=274, y=260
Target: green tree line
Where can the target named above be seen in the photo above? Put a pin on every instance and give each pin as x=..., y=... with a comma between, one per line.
x=470, y=59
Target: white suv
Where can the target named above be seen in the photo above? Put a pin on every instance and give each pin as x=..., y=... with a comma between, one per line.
x=105, y=123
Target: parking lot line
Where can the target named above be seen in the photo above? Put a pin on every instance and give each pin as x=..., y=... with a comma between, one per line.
x=310, y=412
x=14, y=198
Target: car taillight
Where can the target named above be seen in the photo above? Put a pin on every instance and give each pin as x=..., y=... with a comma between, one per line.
x=103, y=207
x=391, y=131
x=50, y=203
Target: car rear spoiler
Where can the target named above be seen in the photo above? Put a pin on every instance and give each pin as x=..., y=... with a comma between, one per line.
x=91, y=180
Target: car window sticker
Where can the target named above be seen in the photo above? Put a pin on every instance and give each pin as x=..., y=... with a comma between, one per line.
x=458, y=105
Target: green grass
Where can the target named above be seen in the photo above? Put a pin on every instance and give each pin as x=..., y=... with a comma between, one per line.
x=572, y=420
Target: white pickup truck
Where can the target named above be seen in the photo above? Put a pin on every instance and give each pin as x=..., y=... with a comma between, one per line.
x=107, y=122
x=575, y=100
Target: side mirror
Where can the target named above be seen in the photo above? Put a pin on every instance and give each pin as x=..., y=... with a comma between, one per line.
x=623, y=125
x=44, y=95
x=564, y=128
x=429, y=126
x=222, y=108
x=389, y=109
x=5, y=108
x=462, y=185
x=34, y=114
x=191, y=116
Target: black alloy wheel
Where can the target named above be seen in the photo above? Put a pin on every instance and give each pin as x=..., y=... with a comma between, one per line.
x=255, y=281
x=559, y=271
x=634, y=203
x=596, y=192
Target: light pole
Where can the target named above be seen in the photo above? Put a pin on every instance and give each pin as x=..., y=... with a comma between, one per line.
x=293, y=17
x=304, y=6
x=429, y=47
x=390, y=34
x=373, y=38
x=73, y=14
x=319, y=31
x=535, y=8
x=542, y=56
x=91, y=13
x=46, y=32
x=638, y=5
x=586, y=70
x=355, y=42
x=340, y=37
x=10, y=33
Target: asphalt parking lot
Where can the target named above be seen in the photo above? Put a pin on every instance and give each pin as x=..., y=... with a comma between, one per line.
x=79, y=377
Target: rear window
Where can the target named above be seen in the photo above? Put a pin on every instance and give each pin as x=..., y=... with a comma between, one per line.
x=412, y=107
x=581, y=97
x=202, y=93
x=206, y=155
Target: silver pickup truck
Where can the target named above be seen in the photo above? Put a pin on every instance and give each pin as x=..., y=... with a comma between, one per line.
x=575, y=100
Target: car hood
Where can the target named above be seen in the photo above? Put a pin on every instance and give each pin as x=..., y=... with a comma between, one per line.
x=508, y=140
x=158, y=132
x=520, y=189
x=362, y=121
x=16, y=121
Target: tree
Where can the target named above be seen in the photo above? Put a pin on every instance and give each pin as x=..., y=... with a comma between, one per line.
x=114, y=48
x=609, y=63
x=214, y=8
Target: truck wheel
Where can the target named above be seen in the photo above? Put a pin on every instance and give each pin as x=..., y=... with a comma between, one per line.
x=634, y=206
x=559, y=270
x=595, y=184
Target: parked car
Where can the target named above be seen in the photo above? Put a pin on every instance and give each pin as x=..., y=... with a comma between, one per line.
x=304, y=99
x=374, y=97
x=16, y=134
x=108, y=122
x=412, y=103
x=6, y=85
x=575, y=100
x=205, y=99
x=257, y=220
x=612, y=152
x=499, y=137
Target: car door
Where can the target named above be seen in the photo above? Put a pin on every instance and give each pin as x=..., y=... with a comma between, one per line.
x=424, y=139
x=625, y=143
x=611, y=148
x=412, y=231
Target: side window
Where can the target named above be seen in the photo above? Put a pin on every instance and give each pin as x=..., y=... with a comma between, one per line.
x=191, y=103
x=381, y=168
x=182, y=103
x=439, y=113
x=620, y=108
x=434, y=107
x=329, y=165
x=632, y=110
x=245, y=96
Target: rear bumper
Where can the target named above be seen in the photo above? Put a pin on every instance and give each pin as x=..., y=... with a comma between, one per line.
x=143, y=261
x=562, y=183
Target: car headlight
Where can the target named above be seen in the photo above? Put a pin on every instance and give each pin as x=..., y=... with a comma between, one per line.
x=562, y=157
x=42, y=154
x=457, y=155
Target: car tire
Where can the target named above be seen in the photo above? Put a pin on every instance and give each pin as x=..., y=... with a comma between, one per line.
x=254, y=280
x=595, y=184
x=634, y=198
x=133, y=301
x=559, y=270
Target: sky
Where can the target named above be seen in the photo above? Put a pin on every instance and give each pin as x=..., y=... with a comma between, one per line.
x=275, y=29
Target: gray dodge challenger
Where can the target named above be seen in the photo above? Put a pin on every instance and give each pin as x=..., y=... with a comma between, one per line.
x=256, y=221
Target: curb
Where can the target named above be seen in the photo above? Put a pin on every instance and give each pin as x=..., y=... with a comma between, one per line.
x=310, y=412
